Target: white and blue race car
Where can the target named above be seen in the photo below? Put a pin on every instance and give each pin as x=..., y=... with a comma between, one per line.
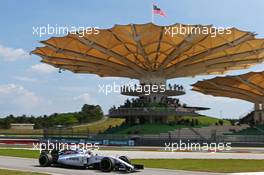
x=86, y=159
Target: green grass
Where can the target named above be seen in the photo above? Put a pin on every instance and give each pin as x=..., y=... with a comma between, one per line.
x=13, y=172
x=206, y=165
x=19, y=153
x=205, y=120
x=163, y=128
x=146, y=129
x=21, y=132
x=99, y=126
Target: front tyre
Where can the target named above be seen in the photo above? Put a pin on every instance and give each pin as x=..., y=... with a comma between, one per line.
x=54, y=155
x=107, y=164
x=125, y=159
x=45, y=160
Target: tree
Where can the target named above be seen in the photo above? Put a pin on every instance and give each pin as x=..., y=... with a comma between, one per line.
x=196, y=122
x=192, y=122
x=90, y=113
x=221, y=122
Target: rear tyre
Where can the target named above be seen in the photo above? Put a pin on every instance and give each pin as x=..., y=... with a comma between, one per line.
x=96, y=166
x=45, y=160
x=107, y=164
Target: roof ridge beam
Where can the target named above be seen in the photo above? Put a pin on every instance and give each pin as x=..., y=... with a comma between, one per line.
x=48, y=59
x=125, y=45
x=233, y=89
x=136, y=38
x=80, y=69
x=111, y=53
x=203, y=65
x=250, y=84
x=187, y=43
x=244, y=38
x=158, y=47
x=219, y=67
x=228, y=94
x=233, y=56
x=92, y=58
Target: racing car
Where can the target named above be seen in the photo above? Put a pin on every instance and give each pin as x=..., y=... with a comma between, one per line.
x=86, y=159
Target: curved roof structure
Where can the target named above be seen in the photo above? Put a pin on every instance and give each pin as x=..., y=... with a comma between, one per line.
x=136, y=49
x=249, y=87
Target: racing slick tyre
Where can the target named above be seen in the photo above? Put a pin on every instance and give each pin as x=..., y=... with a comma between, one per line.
x=125, y=159
x=54, y=155
x=45, y=160
x=107, y=164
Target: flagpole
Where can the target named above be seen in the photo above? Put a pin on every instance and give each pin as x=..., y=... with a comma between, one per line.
x=152, y=14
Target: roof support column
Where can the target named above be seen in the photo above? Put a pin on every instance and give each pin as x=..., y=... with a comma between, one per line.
x=259, y=113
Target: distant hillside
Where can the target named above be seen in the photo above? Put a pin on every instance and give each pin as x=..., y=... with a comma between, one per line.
x=88, y=113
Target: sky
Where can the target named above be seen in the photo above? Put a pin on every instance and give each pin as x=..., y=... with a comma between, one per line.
x=32, y=88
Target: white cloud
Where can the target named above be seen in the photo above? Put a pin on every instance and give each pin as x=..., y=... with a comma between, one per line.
x=15, y=96
x=258, y=68
x=111, y=78
x=25, y=79
x=192, y=97
x=43, y=68
x=219, y=106
x=86, y=98
x=74, y=89
x=11, y=54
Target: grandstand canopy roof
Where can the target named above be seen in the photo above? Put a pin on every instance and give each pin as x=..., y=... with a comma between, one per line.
x=136, y=49
x=249, y=87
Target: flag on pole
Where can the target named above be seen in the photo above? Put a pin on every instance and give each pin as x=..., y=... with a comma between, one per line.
x=158, y=11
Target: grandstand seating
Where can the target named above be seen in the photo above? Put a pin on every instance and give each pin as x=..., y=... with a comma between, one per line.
x=198, y=133
x=249, y=117
x=255, y=130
